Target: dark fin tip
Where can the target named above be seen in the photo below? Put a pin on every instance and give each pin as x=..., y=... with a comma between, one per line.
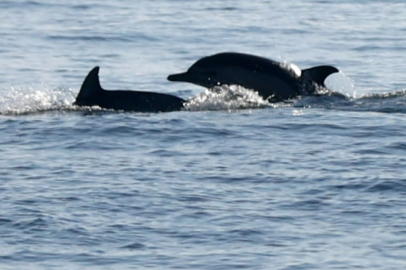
x=319, y=74
x=90, y=87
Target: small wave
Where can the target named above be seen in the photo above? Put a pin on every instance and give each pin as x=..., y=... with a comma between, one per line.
x=386, y=95
x=134, y=246
x=94, y=38
x=388, y=185
x=4, y=221
x=392, y=102
x=37, y=224
x=328, y=100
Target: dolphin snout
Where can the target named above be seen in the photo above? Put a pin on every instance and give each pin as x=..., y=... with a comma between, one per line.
x=180, y=77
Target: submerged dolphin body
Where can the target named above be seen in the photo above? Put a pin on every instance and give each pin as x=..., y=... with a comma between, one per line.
x=272, y=80
x=92, y=94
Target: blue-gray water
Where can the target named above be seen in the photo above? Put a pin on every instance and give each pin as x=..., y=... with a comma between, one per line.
x=317, y=183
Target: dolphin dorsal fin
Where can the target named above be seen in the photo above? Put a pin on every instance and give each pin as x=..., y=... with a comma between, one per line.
x=91, y=85
x=319, y=74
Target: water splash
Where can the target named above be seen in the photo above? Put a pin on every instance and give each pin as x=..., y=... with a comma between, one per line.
x=341, y=83
x=16, y=101
x=32, y=100
x=337, y=83
x=291, y=68
x=226, y=97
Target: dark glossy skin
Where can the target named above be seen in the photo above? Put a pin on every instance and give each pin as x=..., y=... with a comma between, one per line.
x=269, y=78
x=92, y=94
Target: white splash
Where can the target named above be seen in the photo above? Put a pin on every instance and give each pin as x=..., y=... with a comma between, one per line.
x=341, y=83
x=30, y=100
x=292, y=68
x=226, y=97
x=295, y=69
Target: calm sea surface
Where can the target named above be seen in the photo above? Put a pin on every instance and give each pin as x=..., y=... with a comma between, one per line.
x=229, y=183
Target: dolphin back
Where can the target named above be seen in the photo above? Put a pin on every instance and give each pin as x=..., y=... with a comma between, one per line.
x=90, y=88
x=318, y=74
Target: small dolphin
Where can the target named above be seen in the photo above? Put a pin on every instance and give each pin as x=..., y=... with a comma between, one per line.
x=92, y=94
x=272, y=80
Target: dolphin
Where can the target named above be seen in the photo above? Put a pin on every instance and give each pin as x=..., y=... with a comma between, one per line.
x=274, y=81
x=92, y=94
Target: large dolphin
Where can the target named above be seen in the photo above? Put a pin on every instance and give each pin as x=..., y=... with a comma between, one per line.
x=92, y=94
x=272, y=80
